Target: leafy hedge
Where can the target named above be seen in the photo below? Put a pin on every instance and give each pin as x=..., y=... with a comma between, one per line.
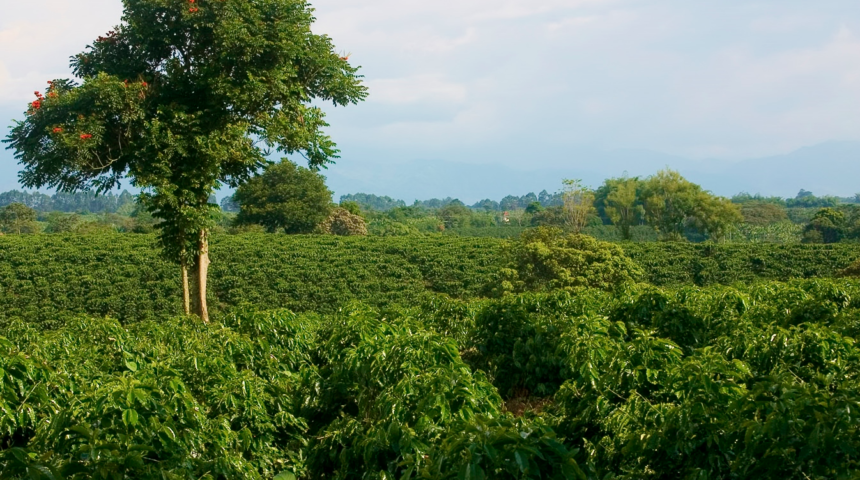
x=46, y=278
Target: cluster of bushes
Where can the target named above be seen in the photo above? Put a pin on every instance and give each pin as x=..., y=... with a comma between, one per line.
x=720, y=382
x=266, y=395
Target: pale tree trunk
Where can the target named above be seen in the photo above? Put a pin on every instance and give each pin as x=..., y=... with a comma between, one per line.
x=202, y=274
x=186, y=292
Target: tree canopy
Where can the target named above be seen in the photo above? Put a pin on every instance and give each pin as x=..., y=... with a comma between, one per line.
x=285, y=197
x=182, y=97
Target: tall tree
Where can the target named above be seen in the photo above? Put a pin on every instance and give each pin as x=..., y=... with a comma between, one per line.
x=673, y=203
x=182, y=97
x=578, y=204
x=622, y=204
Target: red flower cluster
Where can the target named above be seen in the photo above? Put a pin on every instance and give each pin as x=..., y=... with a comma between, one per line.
x=193, y=9
x=111, y=37
x=344, y=58
x=58, y=130
x=144, y=84
x=86, y=136
x=37, y=104
x=52, y=94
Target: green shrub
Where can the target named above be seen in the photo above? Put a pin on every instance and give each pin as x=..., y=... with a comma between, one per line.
x=545, y=259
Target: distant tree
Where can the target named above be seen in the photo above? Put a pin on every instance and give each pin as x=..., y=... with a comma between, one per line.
x=763, y=213
x=534, y=207
x=827, y=226
x=509, y=203
x=343, y=223
x=487, y=205
x=59, y=222
x=672, y=203
x=744, y=197
x=373, y=202
x=284, y=197
x=549, y=217
x=18, y=218
x=713, y=216
x=669, y=200
x=622, y=204
x=806, y=199
x=455, y=215
x=578, y=204
x=550, y=199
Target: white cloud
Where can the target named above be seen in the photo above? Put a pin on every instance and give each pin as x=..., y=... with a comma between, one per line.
x=447, y=76
x=420, y=88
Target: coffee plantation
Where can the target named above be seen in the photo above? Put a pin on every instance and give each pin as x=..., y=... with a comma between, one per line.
x=689, y=382
x=49, y=277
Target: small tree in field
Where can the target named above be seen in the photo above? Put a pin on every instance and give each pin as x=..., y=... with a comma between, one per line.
x=18, y=218
x=182, y=97
x=578, y=204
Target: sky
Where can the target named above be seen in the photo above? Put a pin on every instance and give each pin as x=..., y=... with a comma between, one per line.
x=532, y=84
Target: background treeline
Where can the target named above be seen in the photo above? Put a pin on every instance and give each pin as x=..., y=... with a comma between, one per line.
x=295, y=200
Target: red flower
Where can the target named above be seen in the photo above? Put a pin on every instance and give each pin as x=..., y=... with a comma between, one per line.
x=86, y=136
x=193, y=9
x=344, y=58
x=52, y=94
x=58, y=130
x=37, y=104
x=144, y=84
x=191, y=1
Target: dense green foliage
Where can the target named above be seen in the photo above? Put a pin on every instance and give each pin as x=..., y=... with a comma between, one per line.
x=43, y=278
x=18, y=218
x=47, y=277
x=718, y=382
x=546, y=259
x=285, y=197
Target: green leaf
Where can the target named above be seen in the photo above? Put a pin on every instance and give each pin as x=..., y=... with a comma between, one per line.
x=129, y=417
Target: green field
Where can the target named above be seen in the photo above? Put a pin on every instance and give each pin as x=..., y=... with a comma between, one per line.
x=737, y=361
x=45, y=278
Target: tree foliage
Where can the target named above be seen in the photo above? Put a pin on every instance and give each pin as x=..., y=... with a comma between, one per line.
x=285, y=197
x=672, y=203
x=18, y=218
x=181, y=98
x=545, y=258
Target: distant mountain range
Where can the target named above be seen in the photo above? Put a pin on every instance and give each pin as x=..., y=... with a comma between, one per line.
x=831, y=168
